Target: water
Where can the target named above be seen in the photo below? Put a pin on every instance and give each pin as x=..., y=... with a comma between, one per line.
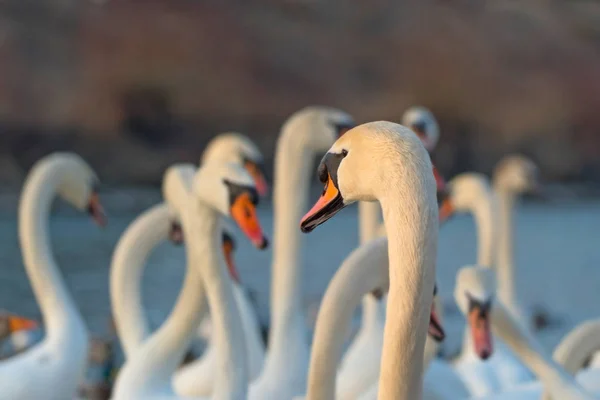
x=556, y=250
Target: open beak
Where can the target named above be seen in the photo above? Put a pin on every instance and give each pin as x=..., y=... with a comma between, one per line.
x=436, y=331
x=327, y=206
x=228, y=251
x=16, y=324
x=243, y=212
x=96, y=210
x=176, y=233
x=258, y=176
x=480, y=330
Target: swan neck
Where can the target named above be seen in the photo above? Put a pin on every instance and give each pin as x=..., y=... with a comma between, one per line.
x=412, y=246
x=56, y=304
x=161, y=354
x=529, y=350
x=128, y=262
x=342, y=297
x=293, y=159
x=505, y=269
x=484, y=220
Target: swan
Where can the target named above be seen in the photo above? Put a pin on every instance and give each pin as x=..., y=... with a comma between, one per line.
x=471, y=192
x=476, y=286
x=513, y=175
x=307, y=132
x=365, y=269
x=386, y=162
x=218, y=190
x=144, y=234
x=359, y=367
x=53, y=368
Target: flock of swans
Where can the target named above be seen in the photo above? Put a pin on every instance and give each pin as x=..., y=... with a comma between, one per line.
x=385, y=167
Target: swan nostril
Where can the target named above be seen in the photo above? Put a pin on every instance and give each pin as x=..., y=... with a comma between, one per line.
x=485, y=354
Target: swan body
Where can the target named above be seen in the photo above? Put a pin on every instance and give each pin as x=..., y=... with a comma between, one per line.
x=53, y=368
x=218, y=190
x=359, y=368
x=307, y=132
x=399, y=176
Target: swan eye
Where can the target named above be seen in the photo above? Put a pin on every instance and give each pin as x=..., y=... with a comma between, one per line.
x=344, y=152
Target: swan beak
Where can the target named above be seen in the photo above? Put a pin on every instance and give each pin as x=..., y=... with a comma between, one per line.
x=479, y=320
x=243, y=212
x=228, y=251
x=327, y=206
x=16, y=324
x=446, y=209
x=176, y=233
x=258, y=176
x=96, y=210
x=436, y=331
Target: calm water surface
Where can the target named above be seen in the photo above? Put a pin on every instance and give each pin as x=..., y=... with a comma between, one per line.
x=557, y=253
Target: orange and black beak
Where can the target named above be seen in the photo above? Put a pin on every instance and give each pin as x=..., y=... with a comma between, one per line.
x=96, y=210
x=176, y=233
x=327, y=206
x=16, y=324
x=479, y=320
x=228, y=249
x=256, y=172
x=435, y=330
x=243, y=212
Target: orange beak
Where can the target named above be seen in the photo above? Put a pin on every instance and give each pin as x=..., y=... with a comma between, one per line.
x=96, y=210
x=228, y=251
x=259, y=178
x=481, y=333
x=436, y=331
x=326, y=207
x=16, y=324
x=243, y=212
x=446, y=209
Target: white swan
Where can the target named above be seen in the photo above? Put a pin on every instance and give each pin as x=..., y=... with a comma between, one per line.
x=513, y=176
x=517, y=337
x=218, y=189
x=359, y=368
x=471, y=192
x=53, y=368
x=386, y=162
x=307, y=132
x=143, y=235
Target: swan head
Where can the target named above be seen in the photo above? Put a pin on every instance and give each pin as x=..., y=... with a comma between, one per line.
x=229, y=189
x=323, y=125
x=474, y=294
x=79, y=185
x=347, y=174
x=424, y=124
x=465, y=193
x=517, y=174
x=11, y=323
x=233, y=147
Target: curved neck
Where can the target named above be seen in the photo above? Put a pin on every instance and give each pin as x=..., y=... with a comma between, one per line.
x=128, y=262
x=293, y=160
x=484, y=221
x=532, y=354
x=505, y=270
x=578, y=346
x=364, y=270
x=158, y=358
x=57, y=306
x=369, y=216
x=412, y=248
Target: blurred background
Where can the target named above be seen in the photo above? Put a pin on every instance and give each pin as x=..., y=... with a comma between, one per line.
x=133, y=86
